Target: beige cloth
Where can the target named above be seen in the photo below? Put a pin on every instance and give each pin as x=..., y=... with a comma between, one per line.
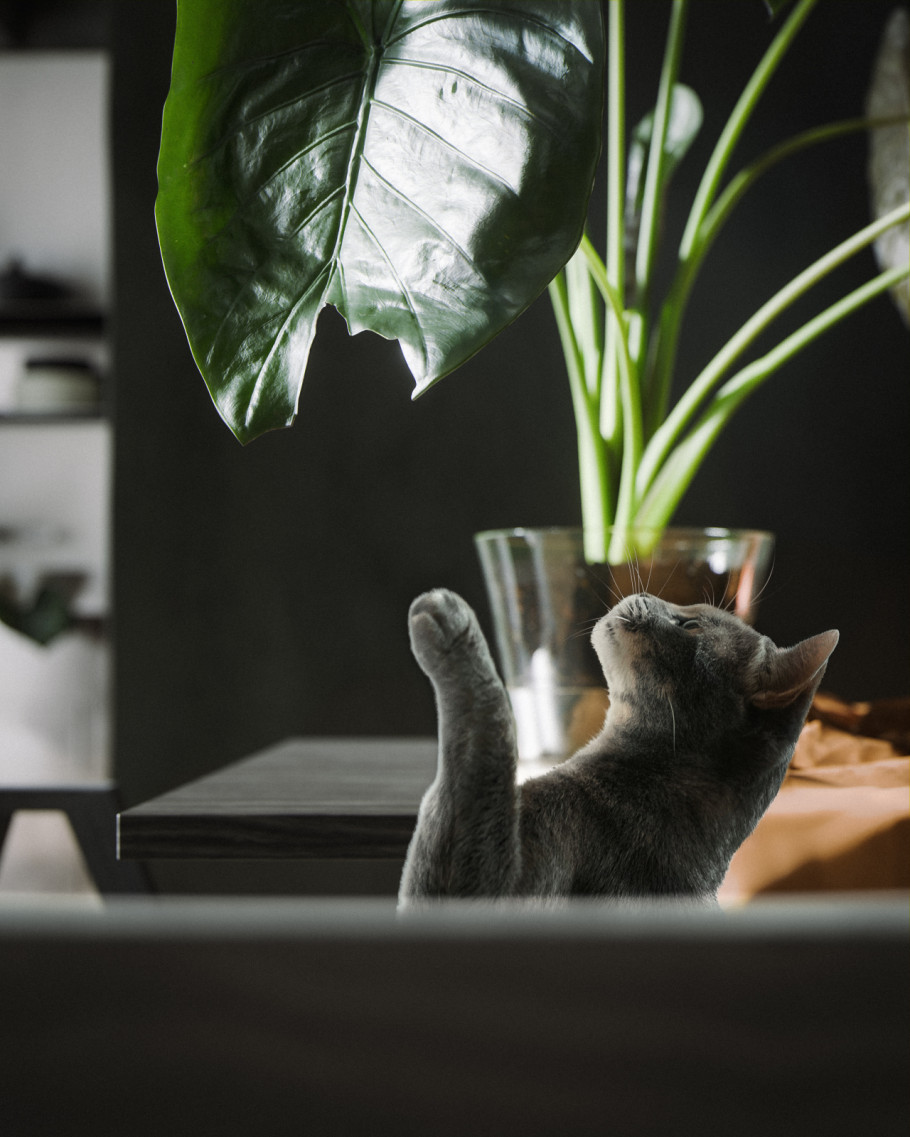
x=841, y=821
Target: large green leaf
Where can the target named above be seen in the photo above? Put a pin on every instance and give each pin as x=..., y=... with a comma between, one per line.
x=425, y=167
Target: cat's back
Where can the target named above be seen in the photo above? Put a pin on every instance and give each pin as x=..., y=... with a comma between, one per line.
x=568, y=829
x=608, y=825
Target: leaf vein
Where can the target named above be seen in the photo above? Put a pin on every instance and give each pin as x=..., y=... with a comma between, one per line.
x=276, y=174
x=406, y=295
x=466, y=158
x=256, y=393
x=230, y=310
x=249, y=63
x=515, y=104
x=456, y=14
x=239, y=127
x=411, y=204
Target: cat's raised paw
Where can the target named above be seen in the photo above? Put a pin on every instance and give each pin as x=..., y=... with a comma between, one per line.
x=439, y=621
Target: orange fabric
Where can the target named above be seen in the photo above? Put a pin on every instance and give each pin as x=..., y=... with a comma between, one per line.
x=841, y=821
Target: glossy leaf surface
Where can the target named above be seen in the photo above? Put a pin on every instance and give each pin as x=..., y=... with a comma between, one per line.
x=425, y=167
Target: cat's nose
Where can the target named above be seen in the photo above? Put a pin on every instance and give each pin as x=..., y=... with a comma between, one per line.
x=633, y=610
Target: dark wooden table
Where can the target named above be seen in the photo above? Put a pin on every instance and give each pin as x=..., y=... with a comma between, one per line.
x=317, y=798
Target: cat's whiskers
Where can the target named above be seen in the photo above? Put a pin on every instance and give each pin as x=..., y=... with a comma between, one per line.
x=731, y=604
x=615, y=595
x=668, y=579
x=612, y=592
x=584, y=629
x=595, y=582
x=673, y=721
x=610, y=583
x=764, y=588
x=647, y=587
x=630, y=557
x=642, y=586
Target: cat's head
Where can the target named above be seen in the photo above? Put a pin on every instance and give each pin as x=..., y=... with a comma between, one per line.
x=702, y=672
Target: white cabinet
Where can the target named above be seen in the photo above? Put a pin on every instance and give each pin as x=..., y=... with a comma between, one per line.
x=55, y=467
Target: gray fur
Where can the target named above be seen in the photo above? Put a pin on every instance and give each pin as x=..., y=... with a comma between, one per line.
x=703, y=720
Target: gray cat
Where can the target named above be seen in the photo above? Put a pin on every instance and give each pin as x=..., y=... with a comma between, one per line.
x=704, y=715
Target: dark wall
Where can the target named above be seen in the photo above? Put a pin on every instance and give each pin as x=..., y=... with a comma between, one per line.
x=262, y=591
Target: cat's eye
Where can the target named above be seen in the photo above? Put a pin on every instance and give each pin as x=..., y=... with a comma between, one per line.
x=690, y=625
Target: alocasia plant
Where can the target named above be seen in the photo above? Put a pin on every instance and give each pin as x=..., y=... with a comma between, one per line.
x=426, y=167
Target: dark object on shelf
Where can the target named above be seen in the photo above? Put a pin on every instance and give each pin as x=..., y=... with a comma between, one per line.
x=36, y=599
x=45, y=618
x=49, y=318
x=51, y=418
x=31, y=304
x=17, y=284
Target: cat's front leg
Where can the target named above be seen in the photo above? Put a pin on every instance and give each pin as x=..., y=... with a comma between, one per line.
x=466, y=840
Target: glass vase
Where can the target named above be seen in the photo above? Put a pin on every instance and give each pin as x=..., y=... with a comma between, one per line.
x=545, y=597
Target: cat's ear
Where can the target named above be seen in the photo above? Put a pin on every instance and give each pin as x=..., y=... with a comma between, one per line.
x=790, y=671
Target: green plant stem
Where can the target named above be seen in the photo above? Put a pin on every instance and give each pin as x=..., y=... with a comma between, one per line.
x=611, y=427
x=668, y=433
x=729, y=137
x=621, y=424
x=680, y=288
x=692, y=249
x=586, y=314
x=746, y=178
x=593, y=472
x=616, y=144
x=678, y=471
x=629, y=393
x=646, y=250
